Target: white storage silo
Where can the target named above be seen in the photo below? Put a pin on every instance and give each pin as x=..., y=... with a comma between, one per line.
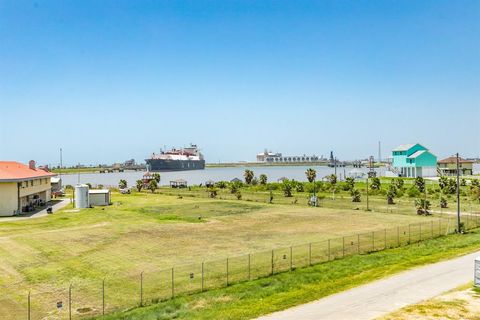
x=81, y=196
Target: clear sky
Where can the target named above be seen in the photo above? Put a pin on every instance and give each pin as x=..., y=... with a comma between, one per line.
x=113, y=80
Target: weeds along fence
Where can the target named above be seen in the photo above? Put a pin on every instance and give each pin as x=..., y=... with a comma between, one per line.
x=83, y=298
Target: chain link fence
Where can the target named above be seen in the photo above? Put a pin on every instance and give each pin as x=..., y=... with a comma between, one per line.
x=114, y=293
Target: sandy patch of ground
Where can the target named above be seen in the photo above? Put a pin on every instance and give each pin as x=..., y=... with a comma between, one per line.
x=459, y=304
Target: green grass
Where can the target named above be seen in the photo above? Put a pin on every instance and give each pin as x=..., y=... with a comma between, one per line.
x=251, y=299
x=150, y=233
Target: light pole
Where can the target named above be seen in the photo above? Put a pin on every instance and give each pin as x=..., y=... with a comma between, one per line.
x=458, y=195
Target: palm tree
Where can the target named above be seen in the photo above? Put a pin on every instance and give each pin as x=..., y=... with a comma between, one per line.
x=375, y=184
x=391, y=193
x=263, y=179
x=248, y=176
x=156, y=176
x=332, y=179
x=443, y=202
x=122, y=184
x=349, y=183
x=355, y=195
x=422, y=206
x=311, y=174
x=420, y=184
x=152, y=185
x=287, y=188
x=139, y=185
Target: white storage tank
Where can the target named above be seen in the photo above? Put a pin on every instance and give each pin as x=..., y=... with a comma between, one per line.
x=81, y=196
x=477, y=272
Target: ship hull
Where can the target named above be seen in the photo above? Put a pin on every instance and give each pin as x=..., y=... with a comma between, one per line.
x=174, y=165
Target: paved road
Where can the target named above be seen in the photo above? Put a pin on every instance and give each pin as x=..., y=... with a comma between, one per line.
x=63, y=203
x=384, y=296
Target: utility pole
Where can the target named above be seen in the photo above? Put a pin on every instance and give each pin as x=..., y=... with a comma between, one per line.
x=368, y=209
x=61, y=164
x=458, y=195
x=379, y=152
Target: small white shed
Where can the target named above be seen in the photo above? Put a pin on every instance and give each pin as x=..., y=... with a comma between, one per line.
x=99, y=197
x=477, y=272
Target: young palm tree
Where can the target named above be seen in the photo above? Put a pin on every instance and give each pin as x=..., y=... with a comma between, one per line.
x=311, y=174
x=287, y=188
x=263, y=179
x=139, y=185
x=248, y=175
x=355, y=195
x=122, y=184
x=152, y=185
x=391, y=193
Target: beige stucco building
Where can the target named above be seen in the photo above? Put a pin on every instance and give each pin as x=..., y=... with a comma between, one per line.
x=22, y=187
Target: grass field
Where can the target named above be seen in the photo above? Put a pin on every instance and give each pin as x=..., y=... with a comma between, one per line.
x=340, y=199
x=251, y=299
x=149, y=232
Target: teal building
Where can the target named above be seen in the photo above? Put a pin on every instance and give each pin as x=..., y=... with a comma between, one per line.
x=414, y=160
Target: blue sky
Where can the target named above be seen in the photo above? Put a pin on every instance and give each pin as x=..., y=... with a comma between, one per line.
x=112, y=80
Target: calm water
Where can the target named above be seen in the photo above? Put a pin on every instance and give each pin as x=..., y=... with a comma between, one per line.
x=215, y=174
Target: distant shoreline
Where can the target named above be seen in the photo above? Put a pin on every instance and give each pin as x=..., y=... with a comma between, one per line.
x=208, y=165
x=263, y=164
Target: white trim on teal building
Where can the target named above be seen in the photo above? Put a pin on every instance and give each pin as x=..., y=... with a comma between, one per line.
x=414, y=160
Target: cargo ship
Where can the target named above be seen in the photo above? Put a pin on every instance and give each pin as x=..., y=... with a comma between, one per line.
x=188, y=158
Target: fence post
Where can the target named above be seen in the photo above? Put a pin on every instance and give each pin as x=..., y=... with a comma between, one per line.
x=202, y=274
x=373, y=240
x=103, y=296
x=28, y=305
x=398, y=236
x=358, y=243
x=173, y=283
x=141, y=289
x=227, y=273
x=70, y=302
x=409, y=237
x=272, y=263
x=310, y=254
x=385, y=237
x=249, y=268
x=328, y=249
x=291, y=258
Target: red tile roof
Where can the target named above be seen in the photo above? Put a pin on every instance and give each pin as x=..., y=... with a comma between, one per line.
x=15, y=171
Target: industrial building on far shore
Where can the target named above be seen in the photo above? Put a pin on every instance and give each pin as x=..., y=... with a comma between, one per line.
x=275, y=157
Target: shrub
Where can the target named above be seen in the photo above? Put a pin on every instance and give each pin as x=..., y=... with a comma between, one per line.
x=221, y=184
x=413, y=192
